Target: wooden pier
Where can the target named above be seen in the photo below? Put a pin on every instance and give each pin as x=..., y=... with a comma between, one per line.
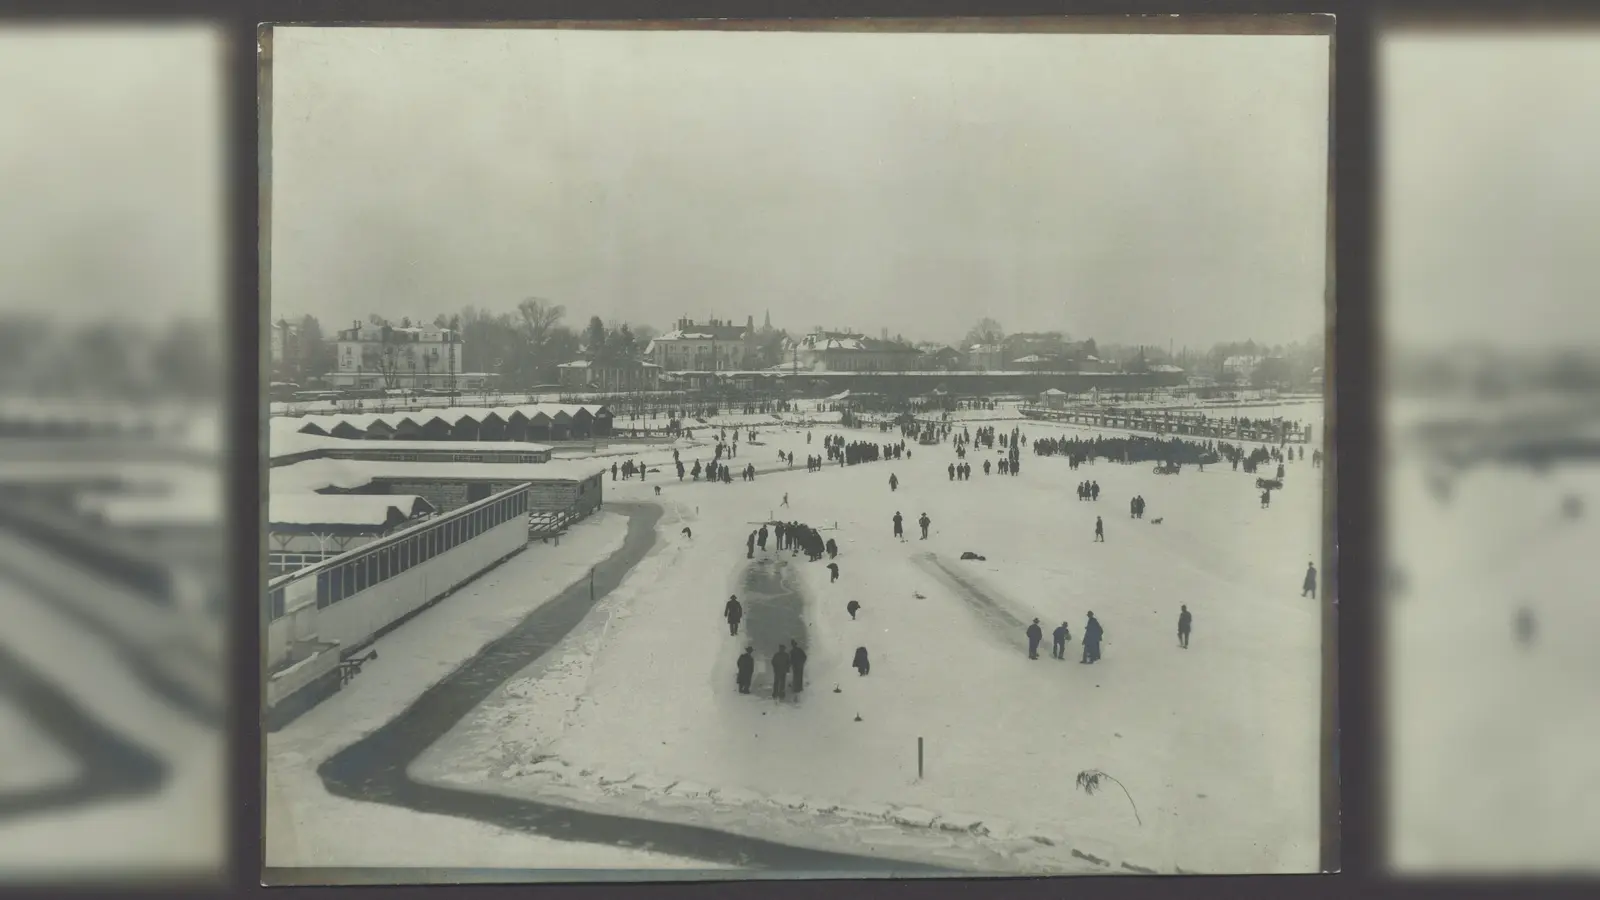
x=1173, y=423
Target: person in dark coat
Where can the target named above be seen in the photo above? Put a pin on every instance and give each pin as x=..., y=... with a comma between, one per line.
x=780, y=672
x=747, y=669
x=1099, y=530
x=833, y=548
x=1309, y=586
x=1092, y=633
x=761, y=539
x=899, y=531
x=894, y=483
x=833, y=570
x=1059, y=648
x=861, y=664
x=733, y=612
x=750, y=546
x=851, y=608
x=924, y=521
x=797, y=664
x=1035, y=635
x=1185, y=620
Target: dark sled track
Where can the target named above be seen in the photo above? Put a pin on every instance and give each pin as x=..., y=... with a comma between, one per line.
x=995, y=614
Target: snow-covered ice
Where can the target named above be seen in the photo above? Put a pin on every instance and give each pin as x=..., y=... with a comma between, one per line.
x=1219, y=745
x=1492, y=767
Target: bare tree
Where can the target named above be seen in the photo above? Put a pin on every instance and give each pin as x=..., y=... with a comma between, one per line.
x=987, y=331
x=1089, y=781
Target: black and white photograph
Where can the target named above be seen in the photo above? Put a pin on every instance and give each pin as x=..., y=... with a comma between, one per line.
x=114, y=663
x=1490, y=475
x=791, y=449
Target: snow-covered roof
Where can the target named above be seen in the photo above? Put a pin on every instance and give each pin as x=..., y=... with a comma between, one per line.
x=1164, y=367
x=1055, y=392
x=315, y=475
x=376, y=511
x=283, y=442
x=197, y=503
x=451, y=416
x=1031, y=358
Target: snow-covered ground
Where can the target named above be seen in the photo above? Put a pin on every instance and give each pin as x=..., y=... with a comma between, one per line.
x=1491, y=753
x=1218, y=745
x=308, y=827
x=178, y=827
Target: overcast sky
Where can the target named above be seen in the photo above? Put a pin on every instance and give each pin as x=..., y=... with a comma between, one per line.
x=1492, y=197
x=111, y=165
x=1128, y=188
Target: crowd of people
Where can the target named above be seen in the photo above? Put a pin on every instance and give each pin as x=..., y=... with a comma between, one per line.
x=794, y=537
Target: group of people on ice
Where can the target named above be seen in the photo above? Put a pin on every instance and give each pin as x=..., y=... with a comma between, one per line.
x=855, y=452
x=899, y=525
x=797, y=537
x=788, y=667
x=1092, y=636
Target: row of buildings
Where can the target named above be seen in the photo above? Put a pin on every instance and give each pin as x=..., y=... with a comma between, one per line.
x=421, y=358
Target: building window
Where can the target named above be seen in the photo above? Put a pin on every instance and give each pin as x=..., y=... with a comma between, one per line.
x=324, y=594
x=349, y=581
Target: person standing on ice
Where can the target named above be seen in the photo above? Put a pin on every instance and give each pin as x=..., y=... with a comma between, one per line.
x=1059, y=648
x=750, y=546
x=894, y=483
x=785, y=499
x=1185, y=620
x=797, y=663
x=780, y=672
x=952, y=470
x=832, y=548
x=733, y=612
x=1099, y=530
x=1133, y=508
x=1035, y=635
x=1524, y=626
x=851, y=608
x=1308, y=588
x=861, y=663
x=924, y=521
x=1094, y=491
x=613, y=471
x=747, y=669
x=1092, y=633
x=986, y=467
x=833, y=572
x=761, y=538
x=899, y=532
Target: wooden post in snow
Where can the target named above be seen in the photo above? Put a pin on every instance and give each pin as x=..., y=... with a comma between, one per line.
x=919, y=759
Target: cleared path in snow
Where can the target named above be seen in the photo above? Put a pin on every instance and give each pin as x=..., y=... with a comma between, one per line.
x=774, y=614
x=375, y=768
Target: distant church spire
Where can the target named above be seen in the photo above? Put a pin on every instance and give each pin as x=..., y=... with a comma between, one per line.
x=768, y=323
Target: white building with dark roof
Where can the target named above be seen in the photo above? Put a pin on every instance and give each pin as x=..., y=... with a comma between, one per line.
x=716, y=345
